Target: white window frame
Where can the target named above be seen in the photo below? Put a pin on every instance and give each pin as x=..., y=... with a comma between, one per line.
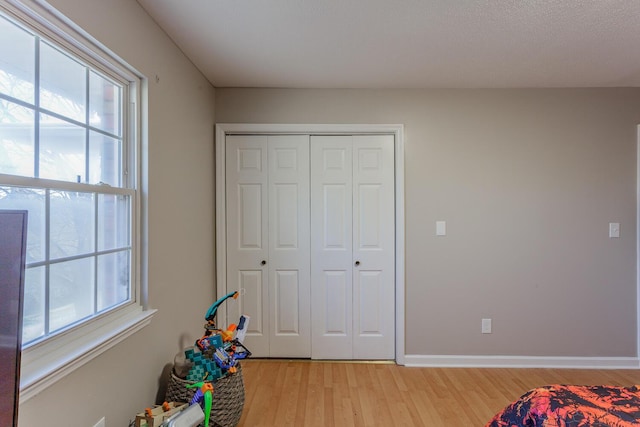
x=51, y=359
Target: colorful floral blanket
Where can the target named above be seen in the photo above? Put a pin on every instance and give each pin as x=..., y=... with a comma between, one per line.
x=573, y=406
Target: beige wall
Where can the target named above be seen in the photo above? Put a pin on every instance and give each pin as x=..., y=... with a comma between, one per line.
x=124, y=380
x=527, y=181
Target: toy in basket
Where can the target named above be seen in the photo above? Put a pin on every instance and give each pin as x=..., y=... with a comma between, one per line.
x=214, y=378
x=159, y=414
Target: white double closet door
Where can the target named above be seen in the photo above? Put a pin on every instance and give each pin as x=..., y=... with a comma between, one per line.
x=310, y=244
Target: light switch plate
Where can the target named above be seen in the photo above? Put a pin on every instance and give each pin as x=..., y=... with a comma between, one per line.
x=441, y=228
x=614, y=229
x=486, y=326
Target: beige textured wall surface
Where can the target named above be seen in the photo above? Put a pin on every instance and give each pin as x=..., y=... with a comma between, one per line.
x=124, y=380
x=527, y=181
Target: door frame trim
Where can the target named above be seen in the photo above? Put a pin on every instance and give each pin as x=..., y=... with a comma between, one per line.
x=397, y=130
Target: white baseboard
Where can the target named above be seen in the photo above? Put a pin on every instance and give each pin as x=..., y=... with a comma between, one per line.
x=454, y=361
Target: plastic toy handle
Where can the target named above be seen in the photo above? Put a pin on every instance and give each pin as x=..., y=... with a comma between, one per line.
x=211, y=312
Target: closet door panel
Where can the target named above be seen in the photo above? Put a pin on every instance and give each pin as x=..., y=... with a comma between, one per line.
x=287, y=217
x=336, y=201
x=336, y=316
x=287, y=310
x=250, y=221
x=374, y=247
x=247, y=237
x=368, y=289
x=331, y=247
x=289, y=252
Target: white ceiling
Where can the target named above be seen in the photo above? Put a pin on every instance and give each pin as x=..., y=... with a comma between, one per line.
x=407, y=43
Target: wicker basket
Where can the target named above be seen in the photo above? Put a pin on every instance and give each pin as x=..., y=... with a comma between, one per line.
x=227, y=401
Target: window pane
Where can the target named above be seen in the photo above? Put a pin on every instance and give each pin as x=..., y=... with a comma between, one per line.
x=113, y=279
x=17, y=62
x=72, y=224
x=104, y=160
x=63, y=84
x=113, y=221
x=62, y=120
x=70, y=292
x=16, y=139
x=104, y=104
x=62, y=150
x=34, y=304
x=33, y=200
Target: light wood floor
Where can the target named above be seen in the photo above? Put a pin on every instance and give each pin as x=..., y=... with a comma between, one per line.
x=306, y=393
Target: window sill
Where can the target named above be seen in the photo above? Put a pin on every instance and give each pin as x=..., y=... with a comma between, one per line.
x=44, y=364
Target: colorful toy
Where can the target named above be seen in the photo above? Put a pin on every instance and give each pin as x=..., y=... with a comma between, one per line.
x=204, y=394
x=215, y=355
x=238, y=350
x=243, y=324
x=203, y=366
x=154, y=417
x=224, y=361
x=213, y=310
x=227, y=357
x=209, y=340
x=228, y=334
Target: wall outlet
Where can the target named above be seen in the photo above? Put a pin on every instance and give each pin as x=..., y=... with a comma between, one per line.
x=101, y=423
x=486, y=326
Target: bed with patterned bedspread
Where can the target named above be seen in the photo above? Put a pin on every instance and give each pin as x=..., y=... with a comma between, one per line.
x=573, y=406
